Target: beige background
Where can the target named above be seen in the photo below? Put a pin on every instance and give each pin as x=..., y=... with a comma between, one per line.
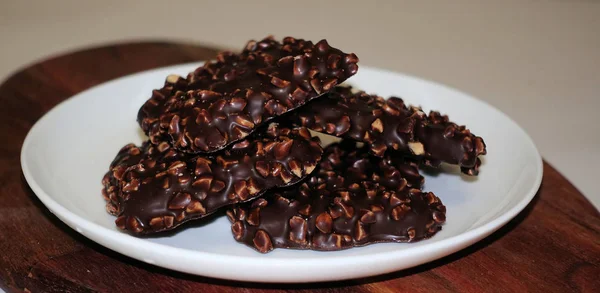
x=538, y=61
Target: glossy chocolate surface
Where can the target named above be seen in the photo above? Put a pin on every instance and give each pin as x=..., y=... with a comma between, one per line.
x=223, y=101
x=353, y=199
x=392, y=125
x=154, y=188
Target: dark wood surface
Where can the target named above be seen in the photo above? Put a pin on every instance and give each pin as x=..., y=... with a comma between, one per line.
x=552, y=246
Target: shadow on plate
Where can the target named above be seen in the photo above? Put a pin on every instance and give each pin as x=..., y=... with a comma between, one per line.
x=452, y=170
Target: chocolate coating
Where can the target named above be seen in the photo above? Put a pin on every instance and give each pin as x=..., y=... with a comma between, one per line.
x=352, y=200
x=223, y=101
x=162, y=188
x=127, y=156
x=390, y=124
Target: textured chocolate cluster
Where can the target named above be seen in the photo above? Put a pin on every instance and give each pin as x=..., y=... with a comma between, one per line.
x=154, y=187
x=225, y=100
x=353, y=199
x=392, y=125
x=234, y=134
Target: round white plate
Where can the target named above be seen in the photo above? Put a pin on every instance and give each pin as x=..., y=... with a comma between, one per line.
x=67, y=152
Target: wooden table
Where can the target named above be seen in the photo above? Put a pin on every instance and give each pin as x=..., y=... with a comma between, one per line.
x=552, y=246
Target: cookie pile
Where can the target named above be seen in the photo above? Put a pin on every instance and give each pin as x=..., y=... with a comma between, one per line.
x=234, y=134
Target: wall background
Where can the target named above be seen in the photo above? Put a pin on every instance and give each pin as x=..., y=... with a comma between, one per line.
x=538, y=61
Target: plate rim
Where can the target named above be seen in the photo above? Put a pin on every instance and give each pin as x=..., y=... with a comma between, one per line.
x=123, y=240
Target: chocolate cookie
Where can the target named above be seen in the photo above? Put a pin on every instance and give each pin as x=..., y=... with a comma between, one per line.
x=390, y=124
x=351, y=200
x=223, y=101
x=155, y=188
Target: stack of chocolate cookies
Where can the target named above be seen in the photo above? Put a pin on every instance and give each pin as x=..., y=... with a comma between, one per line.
x=234, y=135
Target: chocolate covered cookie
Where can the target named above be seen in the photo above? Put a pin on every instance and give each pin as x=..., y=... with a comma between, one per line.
x=153, y=188
x=225, y=100
x=353, y=199
x=392, y=125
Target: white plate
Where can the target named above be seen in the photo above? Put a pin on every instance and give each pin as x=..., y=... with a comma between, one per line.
x=68, y=150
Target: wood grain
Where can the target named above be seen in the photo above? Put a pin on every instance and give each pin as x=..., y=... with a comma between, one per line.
x=552, y=246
